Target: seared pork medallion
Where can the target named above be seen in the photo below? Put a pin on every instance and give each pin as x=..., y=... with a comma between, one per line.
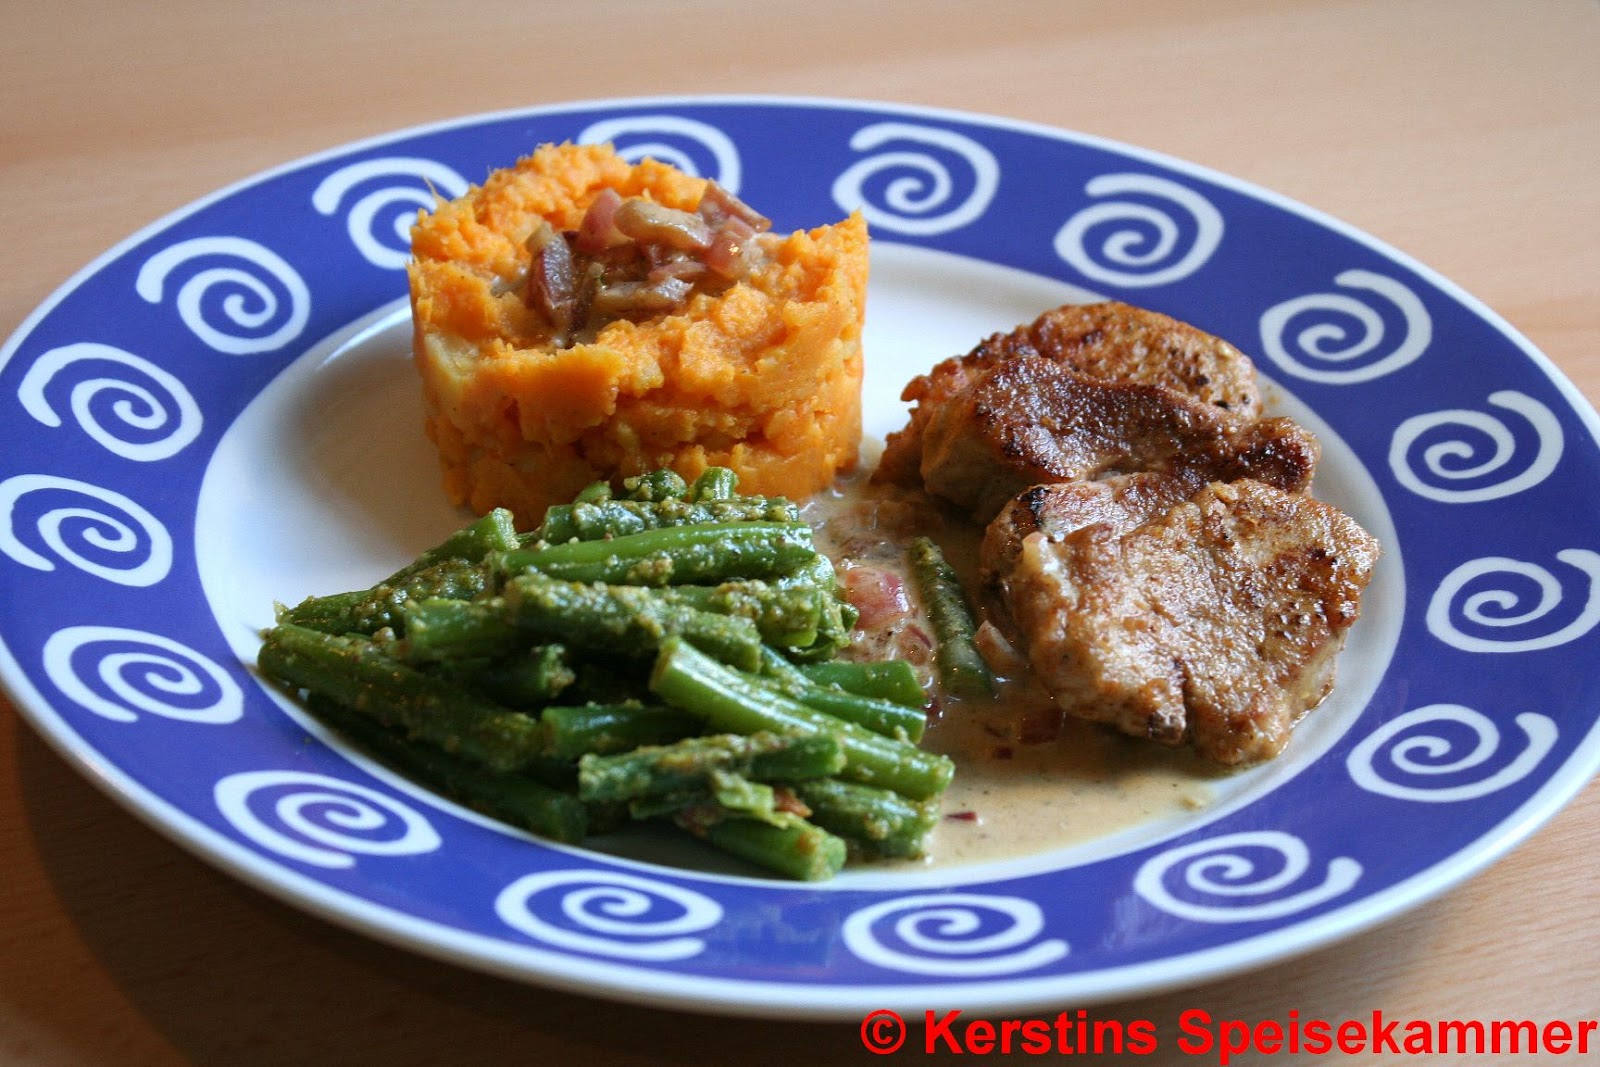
x=1151, y=544
x=1108, y=342
x=1216, y=623
x=1119, y=503
x=1030, y=421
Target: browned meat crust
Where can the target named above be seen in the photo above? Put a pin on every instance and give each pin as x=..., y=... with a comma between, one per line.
x=1107, y=341
x=1120, y=503
x=1216, y=624
x=1030, y=421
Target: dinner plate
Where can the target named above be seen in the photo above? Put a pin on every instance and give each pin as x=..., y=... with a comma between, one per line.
x=220, y=413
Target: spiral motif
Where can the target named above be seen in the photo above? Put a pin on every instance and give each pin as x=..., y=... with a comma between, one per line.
x=321, y=820
x=1513, y=608
x=265, y=294
x=397, y=204
x=1419, y=745
x=1138, y=244
x=609, y=913
x=68, y=530
x=1241, y=878
x=1463, y=457
x=1327, y=351
x=708, y=139
x=964, y=935
x=137, y=410
x=138, y=671
x=919, y=182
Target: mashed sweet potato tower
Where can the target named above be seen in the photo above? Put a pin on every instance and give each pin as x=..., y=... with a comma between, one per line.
x=579, y=317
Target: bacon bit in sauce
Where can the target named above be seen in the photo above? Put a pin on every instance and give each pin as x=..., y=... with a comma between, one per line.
x=1020, y=764
x=915, y=645
x=1040, y=726
x=636, y=259
x=878, y=594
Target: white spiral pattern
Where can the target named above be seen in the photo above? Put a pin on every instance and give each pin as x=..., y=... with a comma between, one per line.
x=140, y=671
x=1407, y=748
x=1512, y=609
x=611, y=913
x=395, y=203
x=1235, y=886
x=953, y=935
x=1462, y=457
x=1325, y=351
x=321, y=820
x=259, y=290
x=726, y=173
x=138, y=408
x=1145, y=245
x=135, y=535
x=924, y=184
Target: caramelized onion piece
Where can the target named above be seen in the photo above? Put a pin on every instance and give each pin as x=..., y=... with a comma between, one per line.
x=598, y=231
x=651, y=223
x=552, y=276
x=731, y=251
x=675, y=266
x=717, y=205
x=634, y=258
x=638, y=299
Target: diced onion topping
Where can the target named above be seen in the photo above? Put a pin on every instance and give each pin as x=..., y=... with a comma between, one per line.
x=636, y=259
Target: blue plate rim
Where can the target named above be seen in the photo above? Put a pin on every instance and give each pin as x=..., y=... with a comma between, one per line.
x=815, y=1000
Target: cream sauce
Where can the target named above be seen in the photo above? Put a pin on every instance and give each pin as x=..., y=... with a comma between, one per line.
x=1027, y=778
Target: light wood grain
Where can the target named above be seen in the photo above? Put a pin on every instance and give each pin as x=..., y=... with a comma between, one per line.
x=1465, y=132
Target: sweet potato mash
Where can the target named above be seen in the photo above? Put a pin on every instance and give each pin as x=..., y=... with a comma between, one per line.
x=579, y=317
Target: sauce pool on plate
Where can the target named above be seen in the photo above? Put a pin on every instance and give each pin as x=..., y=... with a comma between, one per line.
x=1028, y=779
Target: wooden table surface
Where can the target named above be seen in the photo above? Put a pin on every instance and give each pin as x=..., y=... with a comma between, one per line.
x=1465, y=132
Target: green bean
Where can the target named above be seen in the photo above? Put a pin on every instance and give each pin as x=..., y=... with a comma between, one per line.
x=718, y=794
x=661, y=770
x=594, y=521
x=525, y=678
x=838, y=620
x=366, y=611
x=511, y=798
x=961, y=669
x=880, y=716
x=689, y=633
x=732, y=703
x=693, y=553
x=883, y=822
x=572, y=730
x=442, y=629
x=893, y=679
x=495, y=531
x=593, y=493
x=357, y=674
x=777, y=668
x=447, y=569
x=745, y=819
x=787, y=617
x=797, y=849
x=611, y=619
x=662, y=484
x=715, y=483
x=623, y=621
